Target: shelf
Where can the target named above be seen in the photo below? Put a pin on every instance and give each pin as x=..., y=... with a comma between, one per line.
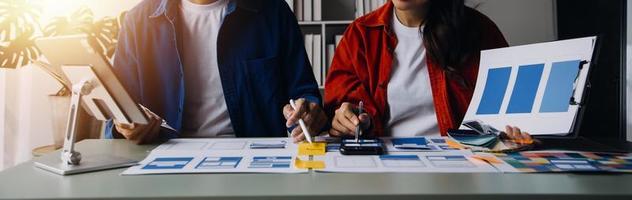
x=337, y=22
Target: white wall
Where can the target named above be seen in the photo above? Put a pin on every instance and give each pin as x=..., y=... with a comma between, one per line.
x=3, y=95
x=522, y=21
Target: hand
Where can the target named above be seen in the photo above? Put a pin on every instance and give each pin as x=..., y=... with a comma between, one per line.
x=346, y=120
x=311, y=113
x=517, y=136
x=141, y=133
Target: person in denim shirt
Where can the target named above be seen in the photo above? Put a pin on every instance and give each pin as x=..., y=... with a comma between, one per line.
x=231, y=76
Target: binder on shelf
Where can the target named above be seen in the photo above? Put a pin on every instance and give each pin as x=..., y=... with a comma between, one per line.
x=338, y=38
x=359, y=8
x=317, y=59
x=308, y=10
x=318, y=10
x=367, y=6
x=309, y=42
x=298, y=10
x=374, y=5
x=331, y=50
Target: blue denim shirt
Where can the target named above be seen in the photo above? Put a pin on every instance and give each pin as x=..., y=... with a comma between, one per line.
x=261, y=57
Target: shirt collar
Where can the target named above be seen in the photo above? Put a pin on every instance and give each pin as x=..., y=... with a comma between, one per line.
x=168, y=7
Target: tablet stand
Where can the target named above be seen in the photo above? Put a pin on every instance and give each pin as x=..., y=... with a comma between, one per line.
x=70, y=162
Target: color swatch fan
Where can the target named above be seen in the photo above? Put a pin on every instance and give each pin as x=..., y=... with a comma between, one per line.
x=537, y=87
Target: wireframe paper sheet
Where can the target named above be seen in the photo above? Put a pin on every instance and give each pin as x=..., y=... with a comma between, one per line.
x=536, y=87
x=406, y=162
x=270, y=155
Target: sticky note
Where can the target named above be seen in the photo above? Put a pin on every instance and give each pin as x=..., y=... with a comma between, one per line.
x=312, y=149
x=306, y=164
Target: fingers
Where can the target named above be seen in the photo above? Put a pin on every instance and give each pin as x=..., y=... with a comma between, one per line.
x=298, y=113
x=152, y=133
x=348, y=113
x=297, y=135
x=287, y=111
x=335, y=133
x=346, y=116
x=343, y=130
x=141, y=133
x=341, y=123
x=518, y=135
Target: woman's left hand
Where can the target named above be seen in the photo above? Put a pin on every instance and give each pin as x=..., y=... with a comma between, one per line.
x=518, y=136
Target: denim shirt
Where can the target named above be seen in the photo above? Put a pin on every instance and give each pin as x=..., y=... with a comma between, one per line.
x=261, y=58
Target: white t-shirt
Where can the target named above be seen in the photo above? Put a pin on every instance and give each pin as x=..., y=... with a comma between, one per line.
x=411, y=107
x=205, y=111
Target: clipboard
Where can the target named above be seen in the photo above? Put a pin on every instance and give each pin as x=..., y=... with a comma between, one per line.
x=525, y=71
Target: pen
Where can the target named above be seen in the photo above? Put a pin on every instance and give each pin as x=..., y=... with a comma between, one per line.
x=358, y=131
x=302, y=124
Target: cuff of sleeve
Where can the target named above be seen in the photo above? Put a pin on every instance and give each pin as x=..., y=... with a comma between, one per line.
x=312, y=99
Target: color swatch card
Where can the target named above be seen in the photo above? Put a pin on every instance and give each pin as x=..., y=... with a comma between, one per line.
x=535, y=87
x=180, y=156
x=407, y=162
x=559, y=161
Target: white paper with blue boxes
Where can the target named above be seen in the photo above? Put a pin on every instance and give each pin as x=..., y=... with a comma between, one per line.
x=270, y=155
x=536, y=87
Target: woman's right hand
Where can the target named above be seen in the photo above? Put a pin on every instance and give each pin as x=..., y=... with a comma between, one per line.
x=141, y=133
x=346, y=120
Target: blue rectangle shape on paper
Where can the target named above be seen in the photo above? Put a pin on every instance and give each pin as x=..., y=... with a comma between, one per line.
x=494, y=92
x=525, y=88
x=399, y=157
x=559, y=87
x=219, y=163
x=168, y=163
x=271, y=162
x=410, y=140
x=447, y=158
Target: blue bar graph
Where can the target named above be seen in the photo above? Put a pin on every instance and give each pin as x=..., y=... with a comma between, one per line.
x=525, y=89
x=559, y=88
x=494, y=92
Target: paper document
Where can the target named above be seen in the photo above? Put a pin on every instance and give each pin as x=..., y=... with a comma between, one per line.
x=270, y=155
x=535, y=87
x=417, y=144
x=448, y=162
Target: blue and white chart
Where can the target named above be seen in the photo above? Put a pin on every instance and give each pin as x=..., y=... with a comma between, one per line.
x=535, y=87
x=181, y=156
x=407, y=162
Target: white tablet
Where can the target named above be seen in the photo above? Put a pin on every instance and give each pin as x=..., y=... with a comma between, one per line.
x=78, y=61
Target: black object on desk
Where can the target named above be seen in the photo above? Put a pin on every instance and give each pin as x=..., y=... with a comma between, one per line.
x=350, y=146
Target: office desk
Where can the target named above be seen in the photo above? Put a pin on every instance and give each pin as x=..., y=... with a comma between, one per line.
x=27, y=181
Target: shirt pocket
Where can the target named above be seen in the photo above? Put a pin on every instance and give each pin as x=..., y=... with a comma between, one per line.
x=264, y=78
